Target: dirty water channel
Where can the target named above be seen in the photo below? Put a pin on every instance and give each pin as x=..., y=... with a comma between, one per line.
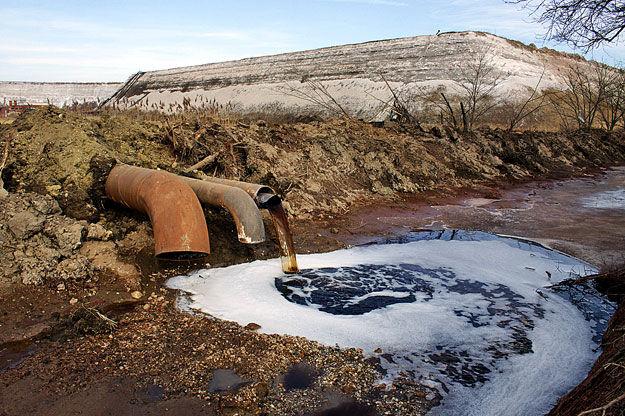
x=468, y=313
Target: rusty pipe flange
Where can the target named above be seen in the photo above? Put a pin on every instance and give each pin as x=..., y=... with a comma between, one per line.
x=176, y=215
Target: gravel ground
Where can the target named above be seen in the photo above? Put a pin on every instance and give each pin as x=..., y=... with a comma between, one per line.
x=166, y=356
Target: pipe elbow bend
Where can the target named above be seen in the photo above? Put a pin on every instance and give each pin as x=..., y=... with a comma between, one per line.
x=176, y=215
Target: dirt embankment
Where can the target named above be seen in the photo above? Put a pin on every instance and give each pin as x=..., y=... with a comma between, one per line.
x=68, y=254
x=321, y=169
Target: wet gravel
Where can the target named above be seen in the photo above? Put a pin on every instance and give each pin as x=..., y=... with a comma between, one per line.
x=169, y=355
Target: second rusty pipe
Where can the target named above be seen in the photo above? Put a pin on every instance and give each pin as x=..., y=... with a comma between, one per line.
x=176, y=215
x=249, y=222
x=263, y=195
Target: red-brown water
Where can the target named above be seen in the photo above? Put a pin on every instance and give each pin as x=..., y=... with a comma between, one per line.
x=287, y=249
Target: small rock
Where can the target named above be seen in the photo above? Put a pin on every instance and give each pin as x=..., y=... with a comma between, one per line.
x=252, y=326
x=60, y=286
x=46, y=205
x=348, y=389
x=69, y=238
x=136, y=294
x=54, y=190
x=98, y=232
x=378, y=350
x=436, y=132
x=334, y=230
x=24, y=224
x=73, y=301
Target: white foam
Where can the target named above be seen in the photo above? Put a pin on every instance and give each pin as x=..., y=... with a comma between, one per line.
x=526, y=384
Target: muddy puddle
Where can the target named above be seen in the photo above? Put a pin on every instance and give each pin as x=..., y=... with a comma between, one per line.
x=583, y=217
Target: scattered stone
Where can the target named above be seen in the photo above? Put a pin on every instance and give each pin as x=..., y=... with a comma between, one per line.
x=136, y=294
x=54, y=190
x=46, y=205
x=73, y=301
x=334, y=230
x=68, y=237
x=252, y=326
x=60, y=286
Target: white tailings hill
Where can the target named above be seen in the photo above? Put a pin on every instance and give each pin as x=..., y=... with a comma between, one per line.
x=57, y=93
x=353, y=75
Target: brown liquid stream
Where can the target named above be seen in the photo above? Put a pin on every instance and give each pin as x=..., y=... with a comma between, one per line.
x=287, y=249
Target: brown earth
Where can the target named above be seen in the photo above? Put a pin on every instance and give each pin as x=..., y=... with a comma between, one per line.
x=70, y=259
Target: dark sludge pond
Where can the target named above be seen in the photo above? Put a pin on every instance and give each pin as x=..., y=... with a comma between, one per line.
x=465, y=312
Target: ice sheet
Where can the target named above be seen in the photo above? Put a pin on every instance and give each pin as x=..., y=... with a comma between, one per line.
x=606, y=200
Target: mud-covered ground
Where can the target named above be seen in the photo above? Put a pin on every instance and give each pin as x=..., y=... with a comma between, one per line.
x=86, y=326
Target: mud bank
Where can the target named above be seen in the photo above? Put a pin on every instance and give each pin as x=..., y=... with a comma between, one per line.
x=71, y=259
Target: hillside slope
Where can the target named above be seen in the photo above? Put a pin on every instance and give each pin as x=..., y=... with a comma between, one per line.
x=56, y=93
x=353, y=74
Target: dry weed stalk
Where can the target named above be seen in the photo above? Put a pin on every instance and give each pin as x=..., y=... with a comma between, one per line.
x=5, y=153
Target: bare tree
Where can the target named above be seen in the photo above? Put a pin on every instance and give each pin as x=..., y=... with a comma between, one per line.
x=477, y=81
x=520, y=110
x=584, y=24
x=612, y=111
x=587, y=90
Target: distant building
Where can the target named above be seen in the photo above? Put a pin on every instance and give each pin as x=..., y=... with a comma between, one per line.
x=14, y=107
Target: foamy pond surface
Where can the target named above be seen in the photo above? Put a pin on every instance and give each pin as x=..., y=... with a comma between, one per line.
x=465, y=312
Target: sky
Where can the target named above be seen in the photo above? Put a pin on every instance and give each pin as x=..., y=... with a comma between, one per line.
x=108, y=41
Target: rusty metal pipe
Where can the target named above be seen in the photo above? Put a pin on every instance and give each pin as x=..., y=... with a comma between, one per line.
x=266, y=198
x=249, y=222
x=176, y=215
x=263, y=195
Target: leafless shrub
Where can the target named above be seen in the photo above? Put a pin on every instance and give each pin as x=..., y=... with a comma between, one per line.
x=588, y=89
x=316, y=92
x=612, y=111
x=516, y=110
x=477, y=82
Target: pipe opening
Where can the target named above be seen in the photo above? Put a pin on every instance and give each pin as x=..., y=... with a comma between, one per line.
x=267, y=200
x=181, y=255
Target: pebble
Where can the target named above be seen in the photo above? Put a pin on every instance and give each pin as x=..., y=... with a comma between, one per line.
x=136, y=294
x=73, y=301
